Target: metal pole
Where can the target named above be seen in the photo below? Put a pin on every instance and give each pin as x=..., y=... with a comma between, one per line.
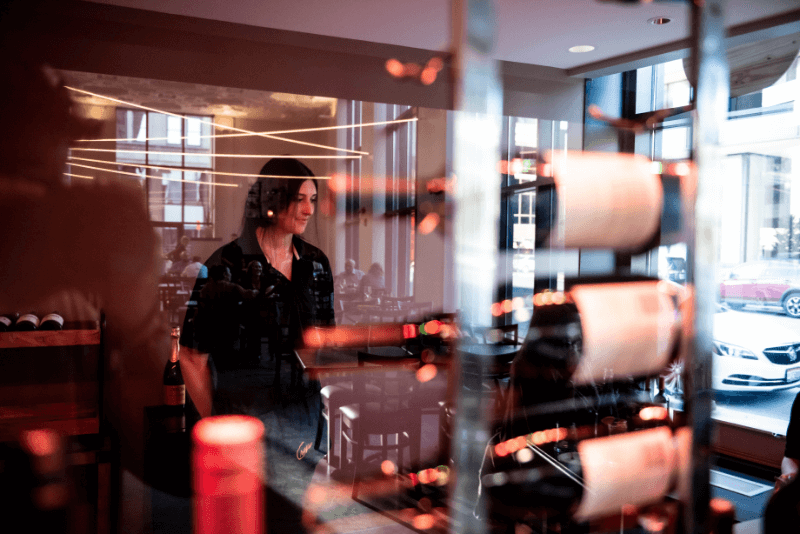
x=702, y=225
x=476, y=144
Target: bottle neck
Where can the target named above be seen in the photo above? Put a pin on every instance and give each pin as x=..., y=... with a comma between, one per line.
x=176, y=348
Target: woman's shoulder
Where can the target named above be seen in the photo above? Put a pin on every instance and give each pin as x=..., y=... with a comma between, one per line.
x=309, y=251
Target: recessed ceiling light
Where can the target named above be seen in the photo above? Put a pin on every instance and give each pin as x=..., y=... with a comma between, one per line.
x=658, y=21
x=581, y=48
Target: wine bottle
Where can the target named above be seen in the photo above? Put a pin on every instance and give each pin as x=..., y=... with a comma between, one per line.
x=174, y=386
x=228, y=470
x=634, y=468
x=722, y=514
x=7, y=321
x=27, y=323
x=52, y=321
x=616, y=201
x=598, y=333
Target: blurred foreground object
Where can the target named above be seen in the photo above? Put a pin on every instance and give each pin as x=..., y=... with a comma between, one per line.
x=228, y=467
x=620, y=201
x=90, y=244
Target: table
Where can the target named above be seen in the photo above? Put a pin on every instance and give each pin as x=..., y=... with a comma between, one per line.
x=317, y=362
x=489, y=352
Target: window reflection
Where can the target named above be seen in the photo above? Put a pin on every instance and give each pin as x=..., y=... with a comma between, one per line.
x=758, y=268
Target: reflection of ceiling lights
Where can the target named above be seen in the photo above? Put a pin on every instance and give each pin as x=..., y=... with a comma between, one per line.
x=658, y=21
x=305, y=101
x=581, y=49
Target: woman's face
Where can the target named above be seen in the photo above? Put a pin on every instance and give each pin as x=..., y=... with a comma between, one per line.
x=294, y=219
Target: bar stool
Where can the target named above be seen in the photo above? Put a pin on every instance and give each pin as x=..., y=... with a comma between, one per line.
x=392, y=413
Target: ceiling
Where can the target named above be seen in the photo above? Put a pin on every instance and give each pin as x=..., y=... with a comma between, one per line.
x=198, y=98
x=538, y=32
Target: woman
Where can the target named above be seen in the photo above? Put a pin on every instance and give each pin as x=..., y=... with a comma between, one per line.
x=296, y=285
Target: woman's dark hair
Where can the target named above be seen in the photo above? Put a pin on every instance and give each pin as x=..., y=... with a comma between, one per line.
x=271, y=194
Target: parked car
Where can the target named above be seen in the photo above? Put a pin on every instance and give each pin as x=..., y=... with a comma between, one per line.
x=753, y=352
x=772, y=283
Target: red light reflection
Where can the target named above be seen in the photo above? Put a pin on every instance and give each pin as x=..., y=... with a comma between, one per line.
x=356, y=335
x=433, y=327
x=395, y=68
x=429, y=223
x=426, y=373
x=423, y=522
x=426, y=75
x=651, y=413
x=43, y=442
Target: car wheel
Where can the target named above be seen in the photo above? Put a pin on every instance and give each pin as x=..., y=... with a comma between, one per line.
x=791, y=304
x=735, y=305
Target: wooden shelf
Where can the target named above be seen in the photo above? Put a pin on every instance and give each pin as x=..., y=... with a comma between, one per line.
x=55, y=338
x=71, y=419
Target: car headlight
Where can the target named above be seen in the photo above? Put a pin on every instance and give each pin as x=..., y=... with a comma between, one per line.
x=726, y=349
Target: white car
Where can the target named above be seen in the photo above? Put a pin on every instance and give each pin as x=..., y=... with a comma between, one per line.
x=753, y=352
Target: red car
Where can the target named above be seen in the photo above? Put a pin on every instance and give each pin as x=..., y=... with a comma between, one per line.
x=773, y=283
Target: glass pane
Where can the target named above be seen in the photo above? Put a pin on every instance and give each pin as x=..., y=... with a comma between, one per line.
x=758, y=267
x=131, y=134
x=662, y=86
x=756, y=328
x=523, y=263
x=198, y=141
x=164, y=139
x=677, y=91
x=676, y=143
x=197, y=197
x=165, y=196
x=522, y=160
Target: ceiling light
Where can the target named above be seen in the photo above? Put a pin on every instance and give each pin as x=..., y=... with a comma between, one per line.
x=581, y=49
x=658, y=21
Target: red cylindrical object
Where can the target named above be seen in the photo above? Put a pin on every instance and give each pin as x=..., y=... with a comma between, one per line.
x=228, y=466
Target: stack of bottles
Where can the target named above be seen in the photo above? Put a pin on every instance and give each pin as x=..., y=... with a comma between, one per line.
x=587, y=444
x=28, y=322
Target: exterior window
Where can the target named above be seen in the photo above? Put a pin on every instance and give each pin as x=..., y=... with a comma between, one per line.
x=755, y=375
x=171, y=154
x=353, y=203
x=401, y=173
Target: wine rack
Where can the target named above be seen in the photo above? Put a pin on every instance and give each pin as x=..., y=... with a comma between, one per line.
x=51, y=379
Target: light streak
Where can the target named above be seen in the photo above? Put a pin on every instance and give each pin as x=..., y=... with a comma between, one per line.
x=216, y=173
x=354, y=335
x=126, y=173
x=79, y=176
x=216, y=125
x=273, y=132
x=193, y=154
x=567, y=472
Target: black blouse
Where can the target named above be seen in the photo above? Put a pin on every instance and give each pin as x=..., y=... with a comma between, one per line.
x=283, y=307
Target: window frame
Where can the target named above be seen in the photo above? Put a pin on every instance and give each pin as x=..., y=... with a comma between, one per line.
x=183, y=168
